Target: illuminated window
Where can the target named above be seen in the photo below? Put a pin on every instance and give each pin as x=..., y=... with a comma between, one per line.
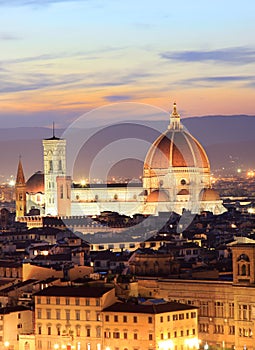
x=204, y=306
x=68, y=315
x=231, y=308
x=39, y=313
x=57, y=301
x=67, y=301
x=219, y=309
x=77, y=315
x=48, y=300
x=58, y=312
x=98, y=332
x=231, y=330
x=48, y=314
x=78, y=331
x=77, y=301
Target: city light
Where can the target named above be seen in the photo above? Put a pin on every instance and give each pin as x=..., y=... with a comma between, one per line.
x=192, y=343
x=12, y=182
x=166, y=344
x=83, y=182
x=250, y=173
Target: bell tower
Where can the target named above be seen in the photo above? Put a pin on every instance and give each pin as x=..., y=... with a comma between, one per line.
x=243, y=257
x=54, y=158
x=20, y=189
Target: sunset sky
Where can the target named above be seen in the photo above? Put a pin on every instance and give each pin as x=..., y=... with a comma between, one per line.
x=60, y=59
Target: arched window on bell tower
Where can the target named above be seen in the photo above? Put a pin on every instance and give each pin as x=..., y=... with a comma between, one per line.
x=243, y=266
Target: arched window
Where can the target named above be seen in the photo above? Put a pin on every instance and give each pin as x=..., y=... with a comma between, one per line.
x=243, y=270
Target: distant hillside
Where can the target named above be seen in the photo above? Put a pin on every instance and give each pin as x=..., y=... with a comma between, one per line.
x=228, y=140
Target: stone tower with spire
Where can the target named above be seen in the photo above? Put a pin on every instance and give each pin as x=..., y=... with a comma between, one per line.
x=54, y=157
x=20, y=189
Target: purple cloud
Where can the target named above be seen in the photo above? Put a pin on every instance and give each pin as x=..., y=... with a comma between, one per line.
x=232, y=55
x=117, y=98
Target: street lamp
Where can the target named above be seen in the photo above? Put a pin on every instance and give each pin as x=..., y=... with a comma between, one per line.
x=206, y=346
x=6, y=344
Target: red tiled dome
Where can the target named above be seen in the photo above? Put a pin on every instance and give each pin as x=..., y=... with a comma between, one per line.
x=158, y=196
x=176, y=148
x=208, y=194
x=35, y=183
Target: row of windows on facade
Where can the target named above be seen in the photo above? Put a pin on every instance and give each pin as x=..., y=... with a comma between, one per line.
x=115, y=334
x=115, y=197
x=175, y=317
x=180, y=333
x=77, y=313
x=116, y=318
x=68, y=301
x=221, y=309
x=221, y=329
x=49, y=330
x=217, y=329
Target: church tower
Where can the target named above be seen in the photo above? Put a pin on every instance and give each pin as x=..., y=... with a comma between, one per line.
x=20, y=189
x=54, y=157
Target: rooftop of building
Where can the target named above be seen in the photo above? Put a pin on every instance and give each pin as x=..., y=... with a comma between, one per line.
x=148, y=308
x=84, y=291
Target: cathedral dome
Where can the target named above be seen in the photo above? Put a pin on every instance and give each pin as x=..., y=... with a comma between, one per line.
x=158, y=196
x=176, y=148
x=35, y=183
x=208, y=194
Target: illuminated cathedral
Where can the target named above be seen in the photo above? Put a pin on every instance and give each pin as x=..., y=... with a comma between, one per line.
x=176, y=178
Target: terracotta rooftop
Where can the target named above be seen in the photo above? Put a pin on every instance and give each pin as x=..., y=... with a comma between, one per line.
x=148, y=309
